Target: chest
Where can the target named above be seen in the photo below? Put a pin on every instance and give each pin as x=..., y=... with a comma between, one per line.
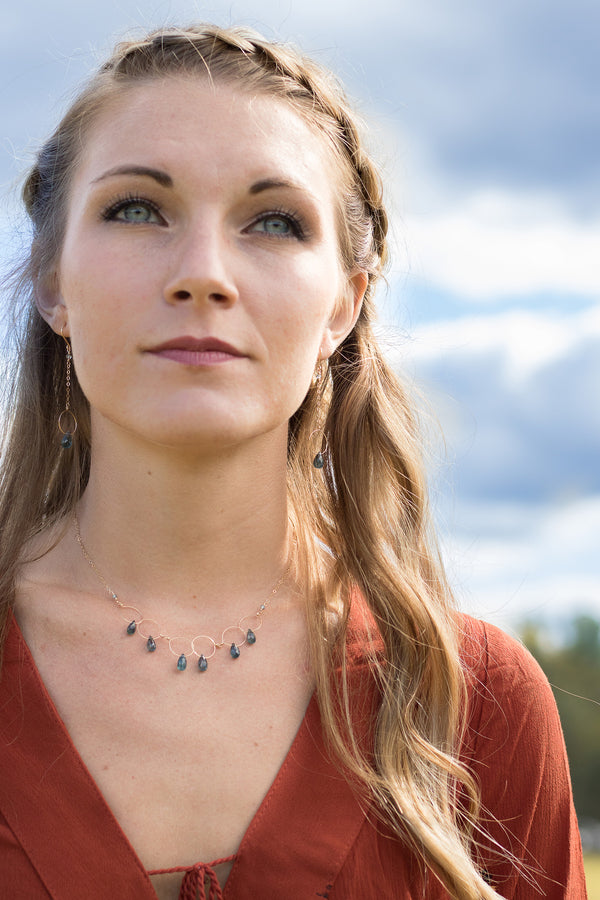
x=182, y=759
x=310, y=834
x=184, y=784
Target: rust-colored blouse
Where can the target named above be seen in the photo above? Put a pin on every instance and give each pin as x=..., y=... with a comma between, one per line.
x=310, y=837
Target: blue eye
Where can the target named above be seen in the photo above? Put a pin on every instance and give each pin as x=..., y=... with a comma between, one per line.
x=134, y=211
x=274, y=225
x=278, y=225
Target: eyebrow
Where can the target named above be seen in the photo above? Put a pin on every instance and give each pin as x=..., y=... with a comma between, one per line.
x=161, y=177
x=267, y=184
x=165, y=180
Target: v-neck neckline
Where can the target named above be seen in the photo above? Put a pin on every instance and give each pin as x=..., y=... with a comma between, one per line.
x=294, y=846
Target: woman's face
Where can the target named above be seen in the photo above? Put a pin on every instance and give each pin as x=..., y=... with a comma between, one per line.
x=200, y=278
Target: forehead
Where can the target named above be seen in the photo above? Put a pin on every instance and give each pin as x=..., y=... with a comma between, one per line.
x=215, y=132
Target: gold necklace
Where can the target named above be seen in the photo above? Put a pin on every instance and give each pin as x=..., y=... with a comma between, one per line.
x=136, y=624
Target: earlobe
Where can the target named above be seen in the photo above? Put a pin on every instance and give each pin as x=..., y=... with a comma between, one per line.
x=346, y=313
x=50, y=304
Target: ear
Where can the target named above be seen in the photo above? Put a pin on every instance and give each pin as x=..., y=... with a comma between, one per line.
x=346, y=312
x=50, y=304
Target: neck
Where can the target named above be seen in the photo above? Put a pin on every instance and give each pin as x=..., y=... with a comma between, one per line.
x=183, y=531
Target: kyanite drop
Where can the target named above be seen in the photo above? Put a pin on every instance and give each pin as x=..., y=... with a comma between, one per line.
x=66, y=441
x=250, y=636
x=151, y=644
x=235, y=651
x=131, y=627
x=318, y=461
x=202, y=663
x=182, y=662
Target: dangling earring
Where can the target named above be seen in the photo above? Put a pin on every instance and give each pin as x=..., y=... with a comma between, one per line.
x=67, y=433
x=318, y=373
x=319, y=461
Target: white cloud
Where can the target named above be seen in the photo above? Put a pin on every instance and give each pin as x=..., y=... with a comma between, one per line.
x=524, y=340
x=516, y=487
x=497, y=244
x=544, y=564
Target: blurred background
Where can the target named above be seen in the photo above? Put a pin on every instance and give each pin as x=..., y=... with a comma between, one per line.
x=486, y=120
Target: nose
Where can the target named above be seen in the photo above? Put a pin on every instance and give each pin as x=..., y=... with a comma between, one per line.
x=201, y=272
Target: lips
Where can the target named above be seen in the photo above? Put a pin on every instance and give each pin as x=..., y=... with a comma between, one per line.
x=193, y=351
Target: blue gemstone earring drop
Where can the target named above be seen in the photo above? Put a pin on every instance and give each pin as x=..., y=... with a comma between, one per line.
x=319, y=459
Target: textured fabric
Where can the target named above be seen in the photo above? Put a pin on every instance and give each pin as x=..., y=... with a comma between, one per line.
x=199, y=881
x=311, y=837
x=515, y=748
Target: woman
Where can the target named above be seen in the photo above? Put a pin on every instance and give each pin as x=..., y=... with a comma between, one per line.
x=205, y=441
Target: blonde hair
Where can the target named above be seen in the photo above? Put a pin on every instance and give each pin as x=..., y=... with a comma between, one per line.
x=367, y=506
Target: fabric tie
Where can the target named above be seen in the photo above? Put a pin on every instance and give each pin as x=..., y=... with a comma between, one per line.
x=197, y=878
x=195, y=881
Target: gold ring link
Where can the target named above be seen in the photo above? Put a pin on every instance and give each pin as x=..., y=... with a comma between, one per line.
x=208, y=638
x=239, y=628
x=146, y=636
x=61, y=428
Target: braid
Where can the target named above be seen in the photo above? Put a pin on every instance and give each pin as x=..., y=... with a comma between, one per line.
x=241, y=56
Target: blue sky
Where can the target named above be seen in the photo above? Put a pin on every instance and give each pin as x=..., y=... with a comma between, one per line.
x=486, y=119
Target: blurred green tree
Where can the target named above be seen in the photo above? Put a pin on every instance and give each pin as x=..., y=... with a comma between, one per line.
x=573, y=669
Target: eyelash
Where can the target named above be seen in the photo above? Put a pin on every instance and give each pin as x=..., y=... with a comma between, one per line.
x=299, y=231
x=108, y=214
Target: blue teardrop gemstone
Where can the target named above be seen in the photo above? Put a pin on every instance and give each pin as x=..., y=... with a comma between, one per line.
x=318, y=461
x=250, y=636
x=131, y=627
x=67, y=441
x=151, y=644
x=202, y=663
x=235, y=651
x=182, y=662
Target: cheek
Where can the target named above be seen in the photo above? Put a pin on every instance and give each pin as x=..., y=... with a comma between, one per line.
x=98, y=290
x=99, y=322
x=295, y=334
x=299, y=301
x=293, y=354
